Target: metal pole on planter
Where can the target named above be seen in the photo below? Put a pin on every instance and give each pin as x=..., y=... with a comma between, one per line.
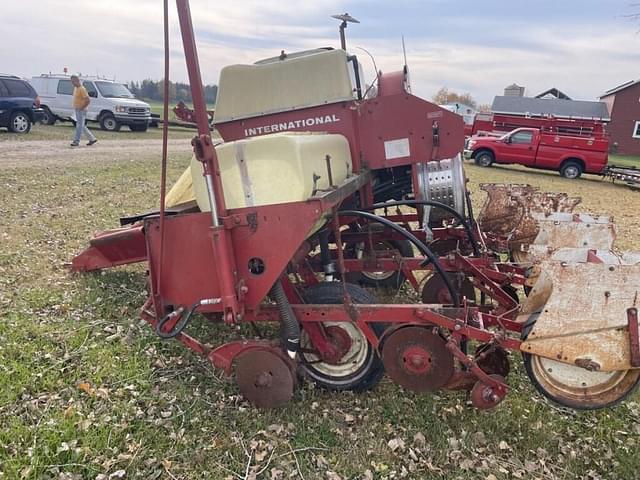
x=206, y=153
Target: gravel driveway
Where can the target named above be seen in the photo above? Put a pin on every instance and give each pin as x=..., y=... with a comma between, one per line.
x=58, y=152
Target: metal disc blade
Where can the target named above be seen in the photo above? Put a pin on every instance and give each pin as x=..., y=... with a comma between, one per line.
x=264, y=378
x=417, y=359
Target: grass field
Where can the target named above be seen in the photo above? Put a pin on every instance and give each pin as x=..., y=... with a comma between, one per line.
x=88, y=391
x=64, y=131
x=624, y=160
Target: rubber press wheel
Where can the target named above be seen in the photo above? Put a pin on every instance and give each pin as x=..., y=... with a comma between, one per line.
x=384, y=279
x=360, y=368
x=576, y=387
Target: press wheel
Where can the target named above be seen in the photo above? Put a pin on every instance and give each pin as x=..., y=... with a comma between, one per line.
x=579, y=388
x=359, y=368
x=264, y=378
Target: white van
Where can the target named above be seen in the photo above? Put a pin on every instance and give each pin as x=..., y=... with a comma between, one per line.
x=112, y=104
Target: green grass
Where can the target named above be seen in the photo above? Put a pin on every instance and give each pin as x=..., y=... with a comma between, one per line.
x=624, y=160
x=157, y=107
x=86, y=388
x=65, y=131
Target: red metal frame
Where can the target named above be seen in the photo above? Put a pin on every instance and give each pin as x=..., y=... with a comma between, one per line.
x=236, y=256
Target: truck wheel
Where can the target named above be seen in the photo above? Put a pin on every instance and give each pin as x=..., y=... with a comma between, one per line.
x=571, y=170
x=138, y=128
x=20, y=123
x=484, y=159
x=109, y=123
x=48, y=118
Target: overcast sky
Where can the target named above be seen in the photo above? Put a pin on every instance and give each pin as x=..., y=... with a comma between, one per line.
x=581, y=47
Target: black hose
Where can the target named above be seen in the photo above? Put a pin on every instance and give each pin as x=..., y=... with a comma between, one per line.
x=290, y=328
x=413, y=239
x=325, y=253
x=467, y=196
x=180, y=326
x=442, y=206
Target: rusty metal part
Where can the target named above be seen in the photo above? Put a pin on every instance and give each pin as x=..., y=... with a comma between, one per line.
x=435, y=291
x=580, y=312
x=634, y=336
x=561, y=230
x=587, y=364
x=484, y=396
x=417, y=359
x=500, y=214
x=535, y=207
x=493, y=359
x=461, y=380
x=512, y=212
x=264, y=378
x=577, y=387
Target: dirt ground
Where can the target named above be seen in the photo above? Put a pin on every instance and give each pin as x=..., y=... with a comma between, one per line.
x=58, y=152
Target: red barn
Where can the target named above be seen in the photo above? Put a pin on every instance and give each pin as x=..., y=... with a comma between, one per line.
x=623, y=103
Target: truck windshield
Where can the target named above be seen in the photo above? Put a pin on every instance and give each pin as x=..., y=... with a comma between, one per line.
x=113, y=90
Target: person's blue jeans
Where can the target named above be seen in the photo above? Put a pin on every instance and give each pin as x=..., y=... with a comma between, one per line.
x=81, y=116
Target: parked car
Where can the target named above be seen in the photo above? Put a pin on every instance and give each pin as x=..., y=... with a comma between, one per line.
x=19, y=104
x=571, y=155
x=112, y=104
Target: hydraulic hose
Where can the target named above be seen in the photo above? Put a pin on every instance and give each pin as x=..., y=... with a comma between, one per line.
x=290, y=329
x=455, y=296
x=184, y=319
x=442, y=206
x=180, y=326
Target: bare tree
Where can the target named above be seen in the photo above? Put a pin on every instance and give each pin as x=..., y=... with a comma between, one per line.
x=445, y=96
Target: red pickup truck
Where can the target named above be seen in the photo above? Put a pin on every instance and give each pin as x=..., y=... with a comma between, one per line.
x=571, y=155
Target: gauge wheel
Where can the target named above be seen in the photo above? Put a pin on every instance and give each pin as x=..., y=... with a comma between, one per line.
x=389, y=279
x=360, y=368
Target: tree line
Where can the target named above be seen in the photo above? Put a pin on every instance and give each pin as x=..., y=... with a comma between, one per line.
x=153, y=90
x=445, y=96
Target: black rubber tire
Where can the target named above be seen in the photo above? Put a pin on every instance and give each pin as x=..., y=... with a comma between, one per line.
x=48, y=118
x=138, y=128
x=528, y=359
x=19, y=122
x=392, y=281
x=633, y=383
x=571, y=170
x=109, y=123
x=484, y=158
x=372, y=371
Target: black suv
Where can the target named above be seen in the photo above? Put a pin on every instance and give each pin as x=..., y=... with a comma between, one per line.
x=19, y=104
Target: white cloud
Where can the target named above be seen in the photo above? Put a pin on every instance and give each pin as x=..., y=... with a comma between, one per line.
x=124, y=39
